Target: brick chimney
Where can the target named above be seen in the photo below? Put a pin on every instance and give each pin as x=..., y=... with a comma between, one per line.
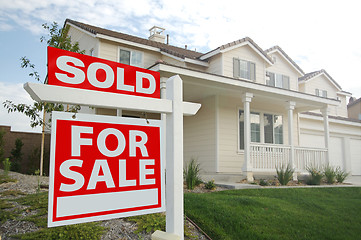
x=156, y=34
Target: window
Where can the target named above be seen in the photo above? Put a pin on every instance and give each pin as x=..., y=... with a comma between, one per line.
x=277, y=80
x=129, y=57
x=255, y=128
x=244, y=69
x=272, y=128
x=321, y=93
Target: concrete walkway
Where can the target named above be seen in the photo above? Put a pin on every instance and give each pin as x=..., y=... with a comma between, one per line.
x=353, y=181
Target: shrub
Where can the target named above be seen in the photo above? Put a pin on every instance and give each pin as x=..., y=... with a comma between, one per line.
x=330, y=174
x=191, y=174
x=315, y=177
x=210, y=185
x=7, y=165
x=263, y=182
x=16, y=155
x=340, y=175
x=284, y=175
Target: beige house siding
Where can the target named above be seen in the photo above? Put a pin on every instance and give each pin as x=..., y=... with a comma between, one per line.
x=245, y=53
x=108, y=50
x=86, y=41
x=215, y=65
x=281, y=66
x=230, y=160
x=341, y=110
x=200, y=136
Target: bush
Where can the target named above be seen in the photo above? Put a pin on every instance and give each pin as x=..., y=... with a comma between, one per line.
x=7, y=165
x=330, y=174
x=284, y=175
x=191, y=174
x=340, y=175
x=16, y=155
x=316, y=176
x=210, y=185
x=263, y=182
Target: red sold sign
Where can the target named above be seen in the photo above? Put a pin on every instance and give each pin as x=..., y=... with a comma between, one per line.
x=69, y=69
x=104, y=167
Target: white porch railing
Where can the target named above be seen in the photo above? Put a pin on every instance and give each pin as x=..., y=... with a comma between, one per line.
x=309, y=157
x=266, y=157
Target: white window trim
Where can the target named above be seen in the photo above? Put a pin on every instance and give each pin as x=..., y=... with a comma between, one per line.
x=130, y=50
x=261, y=115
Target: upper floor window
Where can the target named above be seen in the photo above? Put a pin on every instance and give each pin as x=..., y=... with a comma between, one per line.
x=321, y=93
x=244, y=69
x=130, y=57
x=277, y=80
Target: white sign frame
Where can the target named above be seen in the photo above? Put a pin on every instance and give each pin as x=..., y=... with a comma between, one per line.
x=171, y=105
x=113, y=120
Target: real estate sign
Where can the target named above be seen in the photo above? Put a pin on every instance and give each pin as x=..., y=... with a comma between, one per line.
x=104, y=167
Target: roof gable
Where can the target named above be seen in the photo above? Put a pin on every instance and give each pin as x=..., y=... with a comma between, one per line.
x=313, y=75
x=235, y=44
x=286, y=57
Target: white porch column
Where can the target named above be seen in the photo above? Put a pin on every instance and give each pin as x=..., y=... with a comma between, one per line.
x=247, y=167
x=325, y=112
x=290, y=108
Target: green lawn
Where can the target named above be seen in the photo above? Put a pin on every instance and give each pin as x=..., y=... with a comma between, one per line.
x=293, y=213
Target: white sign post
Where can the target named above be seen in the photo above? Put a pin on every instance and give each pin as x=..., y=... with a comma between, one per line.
x=173, y=106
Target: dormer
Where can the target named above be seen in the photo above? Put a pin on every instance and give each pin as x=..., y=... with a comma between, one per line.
x=242, y=59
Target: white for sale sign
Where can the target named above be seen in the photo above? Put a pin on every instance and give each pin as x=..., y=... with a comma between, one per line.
x=104, y=167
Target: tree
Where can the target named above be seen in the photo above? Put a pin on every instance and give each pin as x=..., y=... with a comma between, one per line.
x=16, y=155
x=58, y=38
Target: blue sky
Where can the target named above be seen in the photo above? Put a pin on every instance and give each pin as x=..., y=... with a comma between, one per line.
x=315, y=34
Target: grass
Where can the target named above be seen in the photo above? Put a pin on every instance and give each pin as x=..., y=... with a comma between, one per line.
x=297, y=213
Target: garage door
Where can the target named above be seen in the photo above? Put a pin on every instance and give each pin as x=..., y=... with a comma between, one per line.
x=312, y=141
x=355, y=152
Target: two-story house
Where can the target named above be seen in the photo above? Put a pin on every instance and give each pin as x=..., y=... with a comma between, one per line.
x=259, y=109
